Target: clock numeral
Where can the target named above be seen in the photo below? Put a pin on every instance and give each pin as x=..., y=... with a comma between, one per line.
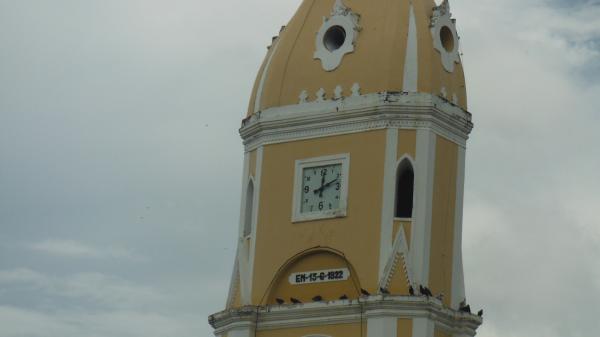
x=337, y=186
x=307, y=189
x=321, y=206
x=324, y=172
x=307, y=178
x=329, y=205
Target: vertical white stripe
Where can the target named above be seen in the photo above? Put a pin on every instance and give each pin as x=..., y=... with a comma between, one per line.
x=423, y=327
x=257, y=188
x=458, y=282
x=263, y=77
x=424, y=180
x=387, y=209
x=382, y=327
x=411, y=61
x=240, y=266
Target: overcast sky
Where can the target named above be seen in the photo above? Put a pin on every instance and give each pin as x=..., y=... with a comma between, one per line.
x=120, y=162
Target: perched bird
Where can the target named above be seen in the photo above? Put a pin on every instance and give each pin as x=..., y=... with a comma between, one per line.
x=343, y=297
x=279, y=301
x=317, y=298
x=466, y=308
x=384, y=291
x=411, y=291
x=425, y=291
x=295, y=300
x=480, y=313
x=364, y=292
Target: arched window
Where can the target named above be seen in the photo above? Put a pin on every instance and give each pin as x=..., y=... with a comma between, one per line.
x=405, y=183
x=248, y=209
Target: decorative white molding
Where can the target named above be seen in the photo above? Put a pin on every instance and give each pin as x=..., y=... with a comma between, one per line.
x=443, y=18
x=411, y=61
x=357, y=114
x=343, y=17
x=458, y=281
x=400, y=249
x=387, y=207
x=347, y=311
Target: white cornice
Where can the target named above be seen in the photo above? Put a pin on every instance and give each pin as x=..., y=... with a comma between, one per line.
x=345, y=311
x=355, y=114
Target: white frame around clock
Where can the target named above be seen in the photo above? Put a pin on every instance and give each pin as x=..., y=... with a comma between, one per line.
x=344, y=160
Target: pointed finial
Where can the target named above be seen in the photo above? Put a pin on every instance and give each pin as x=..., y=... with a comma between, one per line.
x=321, y=95
x=303, y=97
x=337, y=94
x=443, y=92
x=356, y=89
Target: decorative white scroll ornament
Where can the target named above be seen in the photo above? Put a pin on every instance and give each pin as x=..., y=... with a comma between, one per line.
x=445, y=37
x=341, y=17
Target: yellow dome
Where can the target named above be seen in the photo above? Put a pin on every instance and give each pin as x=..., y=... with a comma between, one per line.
x=336, y=48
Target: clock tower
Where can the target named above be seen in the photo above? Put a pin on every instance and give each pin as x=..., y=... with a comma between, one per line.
x=354, y=162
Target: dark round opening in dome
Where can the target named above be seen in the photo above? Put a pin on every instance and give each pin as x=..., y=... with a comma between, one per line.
x=334, y=38
x=447, y=39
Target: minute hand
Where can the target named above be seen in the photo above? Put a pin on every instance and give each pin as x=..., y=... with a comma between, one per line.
x=325, y=185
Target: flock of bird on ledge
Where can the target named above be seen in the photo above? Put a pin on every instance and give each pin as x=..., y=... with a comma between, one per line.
x=424, y=291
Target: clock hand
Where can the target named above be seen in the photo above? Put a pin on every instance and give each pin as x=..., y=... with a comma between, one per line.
x=322, y=185
x=320, y=189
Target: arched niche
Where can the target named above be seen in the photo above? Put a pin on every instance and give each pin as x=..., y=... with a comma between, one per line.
x=292, y=279
x=248, y=209
x=405, y=186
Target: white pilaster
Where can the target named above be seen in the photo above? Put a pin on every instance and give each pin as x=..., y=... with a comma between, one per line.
x=458, y=282
x=421, y=230
x=382, y=327
x=240, y=266
x=387, y=209
x=257, y=188
x=423, y=327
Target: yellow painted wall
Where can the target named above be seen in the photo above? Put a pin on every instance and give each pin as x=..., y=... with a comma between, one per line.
x=441, y=333
x=404, y=328
x=442, y=223
x=340, y=330
x=399, y=284
x=357, y=235
x=320, y=260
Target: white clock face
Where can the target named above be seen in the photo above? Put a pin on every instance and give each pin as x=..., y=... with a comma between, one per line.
x=321, y=188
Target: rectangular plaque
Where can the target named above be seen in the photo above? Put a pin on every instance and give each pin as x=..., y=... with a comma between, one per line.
x=320, y=276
